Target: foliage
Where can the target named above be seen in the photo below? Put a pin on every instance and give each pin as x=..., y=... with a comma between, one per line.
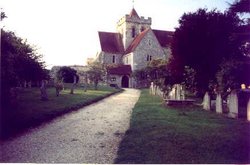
x=241, y=6
x=189, y=76
x=19, y=62
x=67, y=74
x=182, y=135
x=232, y=74
x=96, y=73
x=203, y=39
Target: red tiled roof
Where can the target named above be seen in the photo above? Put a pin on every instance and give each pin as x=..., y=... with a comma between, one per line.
x=133, y=13
x=164, y=37
x=111, y=42
x=120, y=70
x=136, y=41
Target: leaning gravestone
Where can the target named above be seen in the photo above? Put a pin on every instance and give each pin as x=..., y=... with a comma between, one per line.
x=218, y=103
x=233, y=105
x=207, y=102
x=248, y=110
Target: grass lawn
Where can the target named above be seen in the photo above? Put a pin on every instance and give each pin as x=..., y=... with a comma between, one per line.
x=159, y=134
x=31, y=111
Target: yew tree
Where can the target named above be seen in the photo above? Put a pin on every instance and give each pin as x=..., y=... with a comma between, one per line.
x=202, y=41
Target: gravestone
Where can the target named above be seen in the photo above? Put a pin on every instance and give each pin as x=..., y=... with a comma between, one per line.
x=178, y=92
x=182, y=94
x=207, y=102
x=151, y=90
x=44, y=95
x=172, y=93
x=29, y=84
x=218, y=103
x=248, y=110
x=233, y=105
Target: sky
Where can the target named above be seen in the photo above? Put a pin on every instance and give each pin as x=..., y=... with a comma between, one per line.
x=65, y=32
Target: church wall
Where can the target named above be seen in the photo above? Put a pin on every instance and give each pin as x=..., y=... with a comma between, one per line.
x=115, y=79
x=108, y=58
x=127, y=59
x=149, y=45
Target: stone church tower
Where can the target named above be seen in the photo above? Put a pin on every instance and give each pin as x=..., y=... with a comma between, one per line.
x=130, y=26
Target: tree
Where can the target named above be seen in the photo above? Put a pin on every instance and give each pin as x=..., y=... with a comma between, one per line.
x=203, y=39
x=96, y=73
x=240, y=6
x=19, y=63
x=232, y=74
x=67, y=74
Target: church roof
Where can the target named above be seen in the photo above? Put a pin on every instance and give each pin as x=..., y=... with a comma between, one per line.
x=164, y=37
x=133, y=13
x=111, y=42
x=136, y=41
x=120, y=70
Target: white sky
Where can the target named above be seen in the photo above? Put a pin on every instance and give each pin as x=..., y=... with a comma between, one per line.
x=66, y=31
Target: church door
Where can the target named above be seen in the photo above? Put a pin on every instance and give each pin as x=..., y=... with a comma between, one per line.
x=125, y=82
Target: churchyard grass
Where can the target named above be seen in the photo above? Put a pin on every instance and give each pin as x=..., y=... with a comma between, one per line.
x=159, y=134
x=31, y=111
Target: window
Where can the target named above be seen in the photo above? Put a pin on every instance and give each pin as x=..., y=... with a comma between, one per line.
x=126, y=60
x=112, y=79
x=149, y=58
x=133, y=32
x=113, y=59
x=149, y=42
x=142, y=29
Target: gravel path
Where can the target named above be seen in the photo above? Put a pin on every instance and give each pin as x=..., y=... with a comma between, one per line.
x=90, y=135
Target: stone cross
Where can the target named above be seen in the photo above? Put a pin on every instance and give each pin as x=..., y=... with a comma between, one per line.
x=207, y=102
x=218, y=103
x=233, y=105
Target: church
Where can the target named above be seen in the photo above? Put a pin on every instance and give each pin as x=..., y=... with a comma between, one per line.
x=131, y=48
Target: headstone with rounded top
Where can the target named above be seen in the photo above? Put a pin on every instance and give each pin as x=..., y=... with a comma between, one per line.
x=207, y=102
x=218, y=103
x=233, y=105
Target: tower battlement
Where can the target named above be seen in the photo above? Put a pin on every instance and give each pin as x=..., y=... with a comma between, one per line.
x=141, y=20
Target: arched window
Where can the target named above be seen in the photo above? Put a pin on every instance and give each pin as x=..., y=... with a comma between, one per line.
x=113, y=59
x=133, y=32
